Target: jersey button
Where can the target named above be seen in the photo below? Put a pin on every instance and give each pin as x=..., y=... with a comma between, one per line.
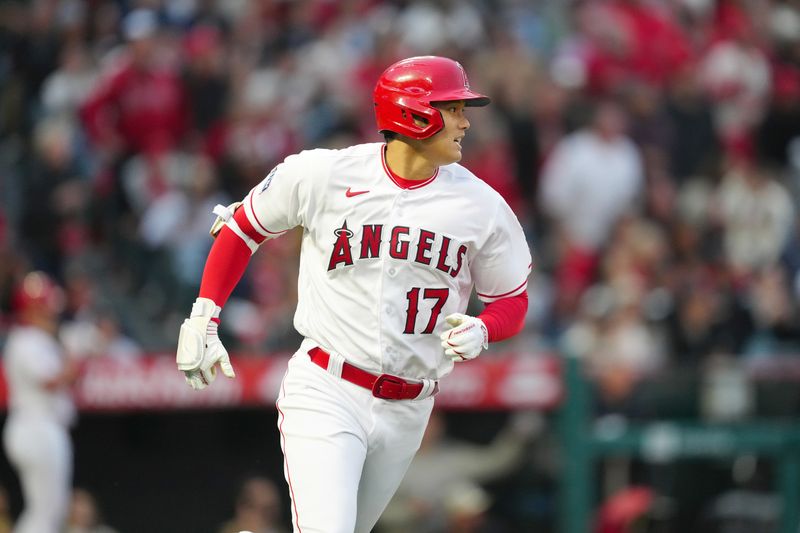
x=392, y=271
x=389, y=310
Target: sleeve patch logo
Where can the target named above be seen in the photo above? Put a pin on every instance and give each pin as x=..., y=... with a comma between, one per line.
x=268, y=180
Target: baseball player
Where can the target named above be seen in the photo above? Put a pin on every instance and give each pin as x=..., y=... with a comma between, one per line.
x=36, y=434
x=395, y=237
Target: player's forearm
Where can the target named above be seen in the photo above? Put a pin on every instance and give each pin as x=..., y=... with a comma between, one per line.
x=505, y=318
x=226, y=263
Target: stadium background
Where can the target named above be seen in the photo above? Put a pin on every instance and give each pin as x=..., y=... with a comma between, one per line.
x=678, y=290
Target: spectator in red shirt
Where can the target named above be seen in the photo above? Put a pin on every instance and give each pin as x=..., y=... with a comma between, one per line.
x=659, y=44
x=137, y=107
x=139, y=104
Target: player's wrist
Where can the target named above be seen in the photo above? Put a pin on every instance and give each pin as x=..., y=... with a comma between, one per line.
x=484, y=332
x=206, y=308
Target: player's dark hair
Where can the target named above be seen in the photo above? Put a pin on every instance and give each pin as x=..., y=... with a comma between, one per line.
x=389, y=136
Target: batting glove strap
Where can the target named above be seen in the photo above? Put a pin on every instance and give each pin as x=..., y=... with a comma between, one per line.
x=205, y=307
x=466, y=338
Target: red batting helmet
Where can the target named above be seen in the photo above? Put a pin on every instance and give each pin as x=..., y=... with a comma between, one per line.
x=407, y=89
x=38, y=291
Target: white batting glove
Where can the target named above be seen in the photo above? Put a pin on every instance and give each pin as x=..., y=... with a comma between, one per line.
x=199, y=347
x=466, y=338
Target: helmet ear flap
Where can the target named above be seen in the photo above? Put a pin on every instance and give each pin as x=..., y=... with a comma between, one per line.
x=402, y=116
x=428, y=115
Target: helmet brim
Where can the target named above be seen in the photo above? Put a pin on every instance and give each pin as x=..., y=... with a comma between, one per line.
x=470, y=98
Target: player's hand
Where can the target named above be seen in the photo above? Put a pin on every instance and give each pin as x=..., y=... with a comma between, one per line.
x=199, y=347
x=465, y=338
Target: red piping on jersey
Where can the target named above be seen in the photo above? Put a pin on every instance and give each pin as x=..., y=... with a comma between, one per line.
x=505, y=293
x=400, y=181
x=247, y=228
x=258, y=221
x=286, y=459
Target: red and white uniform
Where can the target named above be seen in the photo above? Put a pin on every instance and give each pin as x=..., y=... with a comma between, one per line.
x=381, y=265
x=36, y=434
x=383, y=261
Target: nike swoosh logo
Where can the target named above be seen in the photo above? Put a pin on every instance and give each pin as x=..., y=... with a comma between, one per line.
x=350, y=193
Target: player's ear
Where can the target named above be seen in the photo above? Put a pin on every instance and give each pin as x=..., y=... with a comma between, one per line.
x=419, y=121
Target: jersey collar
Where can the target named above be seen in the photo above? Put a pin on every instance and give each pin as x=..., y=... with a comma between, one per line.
x=401, y=182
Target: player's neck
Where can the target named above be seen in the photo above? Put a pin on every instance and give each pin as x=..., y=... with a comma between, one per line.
x=408, y=162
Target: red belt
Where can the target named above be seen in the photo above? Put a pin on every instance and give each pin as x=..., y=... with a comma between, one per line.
x=385, y=386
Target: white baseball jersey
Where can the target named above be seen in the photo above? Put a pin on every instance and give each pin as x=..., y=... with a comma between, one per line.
x=32, y=356
x=35, y=435
x=381, y=265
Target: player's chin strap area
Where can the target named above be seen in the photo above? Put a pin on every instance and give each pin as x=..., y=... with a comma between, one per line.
x=384, y=386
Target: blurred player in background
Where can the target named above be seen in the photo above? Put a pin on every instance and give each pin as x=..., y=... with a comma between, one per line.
x=395, y=237
x=36, y=434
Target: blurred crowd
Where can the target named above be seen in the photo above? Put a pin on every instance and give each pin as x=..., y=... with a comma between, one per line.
x=256, y=508
x=651, y=149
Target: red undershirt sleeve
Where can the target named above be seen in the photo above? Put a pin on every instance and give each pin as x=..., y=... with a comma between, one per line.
x=505, y=318
x=225, y=265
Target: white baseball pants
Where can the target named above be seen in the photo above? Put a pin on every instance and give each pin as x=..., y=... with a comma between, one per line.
x=41, y=452
x=345, y=451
